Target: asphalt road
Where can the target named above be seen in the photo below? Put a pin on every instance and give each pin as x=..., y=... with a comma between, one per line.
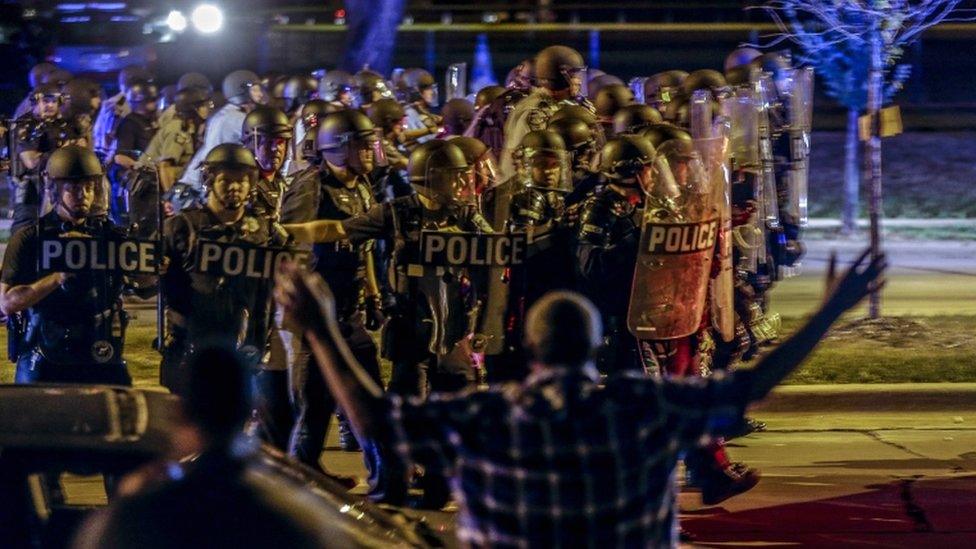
x=838, y=475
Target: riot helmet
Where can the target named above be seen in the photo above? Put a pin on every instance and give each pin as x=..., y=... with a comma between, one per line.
x=312, y=113
x=634, y=118
x=193, y=102
x=627, y=161
x=58, y=77
x=386, y=114
x=740, y=57
x=297, y=91
x=347, y=139
x=132, y=74
x=657, y=134
x=242, y=87
x=597, y=83
x=439, y=172
x=266, y=131
x=579, y=138
x=663, y=87
x=337, y=86
x=705, y=79
x=575, y=111
x=370, y=87
x=457, y=115
x=560, y=68
x=37, y=72
x=74, y=176
x=611, y=99
x=194, y=80
x=417, y=85
x=142, y=96
x=46, y=100
x=487, y=95
x=543, y=161
x=522, y=76
x=81, y=96
x=484, y=167
x=229, y=173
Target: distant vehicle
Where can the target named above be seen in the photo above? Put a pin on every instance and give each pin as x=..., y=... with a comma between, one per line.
x=98, y=44
x=89, y=430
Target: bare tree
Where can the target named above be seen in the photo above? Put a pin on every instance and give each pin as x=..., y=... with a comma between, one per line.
x=856, y=45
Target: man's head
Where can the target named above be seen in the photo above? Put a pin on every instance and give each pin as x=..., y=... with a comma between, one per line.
x=544, y=161
x=370, y=87
x=418, y=86
x=388, y=115
x=230, y=172
x=627, y=161
x=337, y=86
x=266, y=132
x=563, y=329
x=37, y=73
x=46, y=100
x=347, y=140
x=243, y=88
x=73, y=176
x=440, y=173
x=483, y=169
x=561, y=70
x=216, y=398
x=132, y=74
x=193, y=103
x=143, y=97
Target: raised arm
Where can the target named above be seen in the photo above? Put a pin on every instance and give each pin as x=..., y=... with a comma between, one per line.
x=862, y=277
x=318, y=231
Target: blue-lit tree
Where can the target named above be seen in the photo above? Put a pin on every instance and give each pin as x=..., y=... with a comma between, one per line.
x=372, y=33
x=855, y=47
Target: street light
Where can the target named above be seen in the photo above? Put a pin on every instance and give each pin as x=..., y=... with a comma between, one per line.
x=176, y=21
x=207, y=18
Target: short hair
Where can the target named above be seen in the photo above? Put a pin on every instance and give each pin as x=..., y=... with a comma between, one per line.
x=216, y=398
x=563, y=328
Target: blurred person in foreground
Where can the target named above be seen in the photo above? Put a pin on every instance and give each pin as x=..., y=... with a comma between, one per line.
x=560, y=459
x=211, y=500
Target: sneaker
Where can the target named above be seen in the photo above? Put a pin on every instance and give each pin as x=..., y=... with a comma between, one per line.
x=720, y=485
x=747, y=427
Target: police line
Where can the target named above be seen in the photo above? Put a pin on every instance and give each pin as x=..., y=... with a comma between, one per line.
x=134, y=256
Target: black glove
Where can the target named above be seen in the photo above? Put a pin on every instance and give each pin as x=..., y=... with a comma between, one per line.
x=374, y=313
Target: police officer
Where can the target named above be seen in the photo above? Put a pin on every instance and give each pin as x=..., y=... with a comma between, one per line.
x=457, y=116
x=609, y=100
x=75, y=325
x=172, y=147
x=560, y=75
x=189, y=81
x=82, y=100
x=426, y=335
x=201, y=306
x=297, y=91
x=389, y=118
x=132, y=137
x=338, y=189
x=608, y=234
x=368, y=87
x=583, y=146
x=114, y=108
x=303, y=151
x=36, y=135
x=418, y=91
x=243, y=91
x=336, y=88
x=34, y=77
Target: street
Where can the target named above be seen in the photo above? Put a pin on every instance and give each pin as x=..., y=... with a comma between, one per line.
x=837, y=475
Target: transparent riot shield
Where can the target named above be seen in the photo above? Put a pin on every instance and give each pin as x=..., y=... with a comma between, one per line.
x=700, y=114
x=456, y=82
x=636, y=86
x=769, y=207
x=680, y=229
x=715, y=153
x=801, y=113
x=744, y=108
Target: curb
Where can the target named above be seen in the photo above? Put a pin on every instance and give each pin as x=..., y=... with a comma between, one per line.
x=882, y=397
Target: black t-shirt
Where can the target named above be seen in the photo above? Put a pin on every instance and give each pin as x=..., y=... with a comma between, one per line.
x=20, y=258
x=133, y=135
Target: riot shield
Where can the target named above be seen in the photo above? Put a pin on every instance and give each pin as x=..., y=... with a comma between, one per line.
x=636, y=86
x=456, y=82
x=680, y=228
x=744, y=109
x=700, y=114
x=801, y=113
x=715, y=153
x=770, y=203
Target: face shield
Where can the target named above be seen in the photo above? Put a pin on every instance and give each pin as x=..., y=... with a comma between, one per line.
x=456, y=81
x=257, y=94
x=79, y=198
x=576, y=76
x=679, y=173
x=231, y=186
x=546, y=169
x=636, y=86
x=484, y=173
x=269, y=149
x=364, y=154
x=430, y=95
x=450, y=188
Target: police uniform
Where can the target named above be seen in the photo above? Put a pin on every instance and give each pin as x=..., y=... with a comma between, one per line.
x=223, y=126
x=202, y=307
x=173, y=142
x=342, y=265
x=33, y=135
x=608, y=234
x=132, y=136
x=76, y=333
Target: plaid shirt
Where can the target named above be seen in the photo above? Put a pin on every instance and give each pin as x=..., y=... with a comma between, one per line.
x=560, y=461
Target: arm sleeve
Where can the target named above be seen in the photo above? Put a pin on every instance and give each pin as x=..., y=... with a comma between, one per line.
x=376, y=222
x=597, y=258
x=427, y=432
x=125, y=137
x=20, y=258
x=700, y=408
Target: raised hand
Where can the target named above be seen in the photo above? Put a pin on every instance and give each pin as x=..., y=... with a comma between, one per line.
x=304, y=298
x=863, y=277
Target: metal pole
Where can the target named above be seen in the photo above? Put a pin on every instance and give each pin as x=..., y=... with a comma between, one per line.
x=874, y=159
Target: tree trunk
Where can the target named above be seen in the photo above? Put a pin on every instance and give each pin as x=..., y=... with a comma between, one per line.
x=852, y=176
x=874, y=160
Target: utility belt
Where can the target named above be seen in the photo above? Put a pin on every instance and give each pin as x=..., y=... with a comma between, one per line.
x=100, y=340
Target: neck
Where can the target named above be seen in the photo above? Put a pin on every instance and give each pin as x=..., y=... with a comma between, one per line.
x=67, y=217
x=343, y=174
x=226, y=215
